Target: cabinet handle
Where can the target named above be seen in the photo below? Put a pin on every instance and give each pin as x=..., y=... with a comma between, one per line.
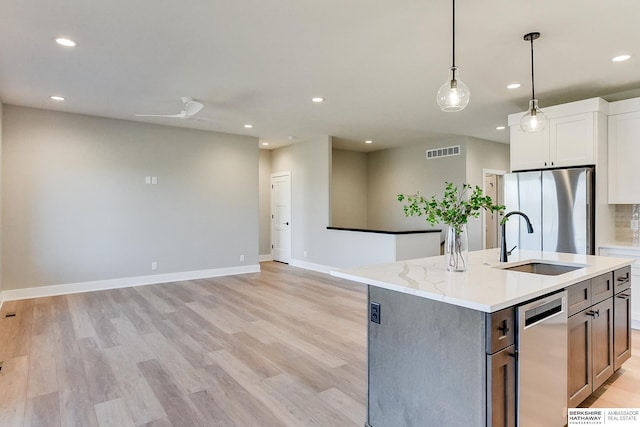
x=504, y=328
x=545, y=163
x=623, y=296
x=623, y=278
x=593, y=313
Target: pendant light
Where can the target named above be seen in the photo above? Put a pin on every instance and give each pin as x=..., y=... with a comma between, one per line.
x=453, y=94
x=534, y=120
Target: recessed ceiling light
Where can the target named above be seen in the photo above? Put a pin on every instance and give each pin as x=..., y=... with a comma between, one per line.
x=500, y=127
x=248, y=126
x=317, y=99
x=65, y=42
x=56, y=98
x=513, y=86
x=265, y=144
x=368, y=141
x=621, y=58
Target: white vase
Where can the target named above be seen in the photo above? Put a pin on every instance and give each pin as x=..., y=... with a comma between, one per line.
x=456, y=249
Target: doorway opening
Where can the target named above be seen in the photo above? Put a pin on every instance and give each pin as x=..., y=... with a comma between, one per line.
x=492, y=186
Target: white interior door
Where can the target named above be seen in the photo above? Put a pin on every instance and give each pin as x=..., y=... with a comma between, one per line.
x=281, y=216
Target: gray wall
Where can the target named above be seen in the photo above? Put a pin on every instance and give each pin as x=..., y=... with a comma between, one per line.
x=482, y=154
x=310, y=165
x=264, y=170
x=348, y=189
x=76, y=208
x=406, y=170
x=1, y=234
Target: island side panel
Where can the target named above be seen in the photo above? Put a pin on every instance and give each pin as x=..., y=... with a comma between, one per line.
x=426, y=363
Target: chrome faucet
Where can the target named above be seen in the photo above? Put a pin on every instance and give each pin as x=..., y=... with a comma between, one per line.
x=503, y=247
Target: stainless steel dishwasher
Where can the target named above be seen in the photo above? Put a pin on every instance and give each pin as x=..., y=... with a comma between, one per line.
x=542, y=362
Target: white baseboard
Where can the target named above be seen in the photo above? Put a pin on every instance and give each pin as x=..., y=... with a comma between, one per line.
x=1, y=299
x=635, y=324
x=266, y=257
x=320, y=268
x=126, y=282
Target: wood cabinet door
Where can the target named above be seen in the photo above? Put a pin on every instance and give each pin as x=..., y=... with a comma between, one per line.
x=622, y=279
x=601, y=288
x=501, y=391
x=621, y=328
x=502, y=330
x=579, y=297
x=602, y=336
x=580, y=373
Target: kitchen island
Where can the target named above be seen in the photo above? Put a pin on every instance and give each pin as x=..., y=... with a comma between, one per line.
x=442, y=346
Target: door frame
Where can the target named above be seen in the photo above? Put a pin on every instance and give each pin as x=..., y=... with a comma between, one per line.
x=483, y=215
x=272, y=213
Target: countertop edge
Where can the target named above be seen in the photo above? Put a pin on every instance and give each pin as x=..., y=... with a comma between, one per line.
x=614, y=264
x=366, y=230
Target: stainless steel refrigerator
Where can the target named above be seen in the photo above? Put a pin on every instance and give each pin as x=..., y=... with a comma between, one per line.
x=560, y=205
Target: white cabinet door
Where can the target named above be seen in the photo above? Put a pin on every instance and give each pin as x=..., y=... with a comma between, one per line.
x=567, y=141
x=528, y=150
x=572, y=140
x=624, y=158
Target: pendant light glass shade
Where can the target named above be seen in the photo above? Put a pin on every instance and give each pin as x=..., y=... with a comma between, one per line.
x=453, y=94
x=533, y=120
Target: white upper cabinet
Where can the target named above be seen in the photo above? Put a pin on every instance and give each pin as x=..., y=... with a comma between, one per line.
x=571, y=138
x=528, y=150
x=624, y=152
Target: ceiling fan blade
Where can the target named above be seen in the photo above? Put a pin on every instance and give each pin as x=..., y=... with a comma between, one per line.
x=192, y=107
x=161, y=115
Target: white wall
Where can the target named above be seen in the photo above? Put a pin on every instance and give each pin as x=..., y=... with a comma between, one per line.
x=264, y=171
x=349, y=189
x=76, y=208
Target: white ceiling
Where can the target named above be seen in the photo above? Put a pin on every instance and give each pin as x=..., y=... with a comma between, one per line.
x=378, y=63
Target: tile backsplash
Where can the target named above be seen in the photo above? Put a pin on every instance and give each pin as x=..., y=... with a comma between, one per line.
x=623, y=226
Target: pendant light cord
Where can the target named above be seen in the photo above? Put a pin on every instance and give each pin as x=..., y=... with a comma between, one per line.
x=533, y=90
x=454, y=33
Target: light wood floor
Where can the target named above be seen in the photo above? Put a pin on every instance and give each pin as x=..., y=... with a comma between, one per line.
x=284, y=347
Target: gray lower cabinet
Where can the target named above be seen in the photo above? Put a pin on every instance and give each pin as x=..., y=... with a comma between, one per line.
x=602, y=334
x=436, y=364
x=599, y=332
x=501, y=390
x=590, y=358
x=580, y=374
x=622, y=318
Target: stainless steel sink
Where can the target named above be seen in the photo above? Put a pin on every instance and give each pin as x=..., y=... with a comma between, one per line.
x=544, y=268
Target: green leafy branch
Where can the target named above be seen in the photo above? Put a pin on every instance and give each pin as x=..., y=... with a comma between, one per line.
x=454, y=209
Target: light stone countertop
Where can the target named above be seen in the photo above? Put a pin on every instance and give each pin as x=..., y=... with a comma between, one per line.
x=482, y=287
x=621, y=245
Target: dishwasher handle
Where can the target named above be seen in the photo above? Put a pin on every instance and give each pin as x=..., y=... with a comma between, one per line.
x=544, y=310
